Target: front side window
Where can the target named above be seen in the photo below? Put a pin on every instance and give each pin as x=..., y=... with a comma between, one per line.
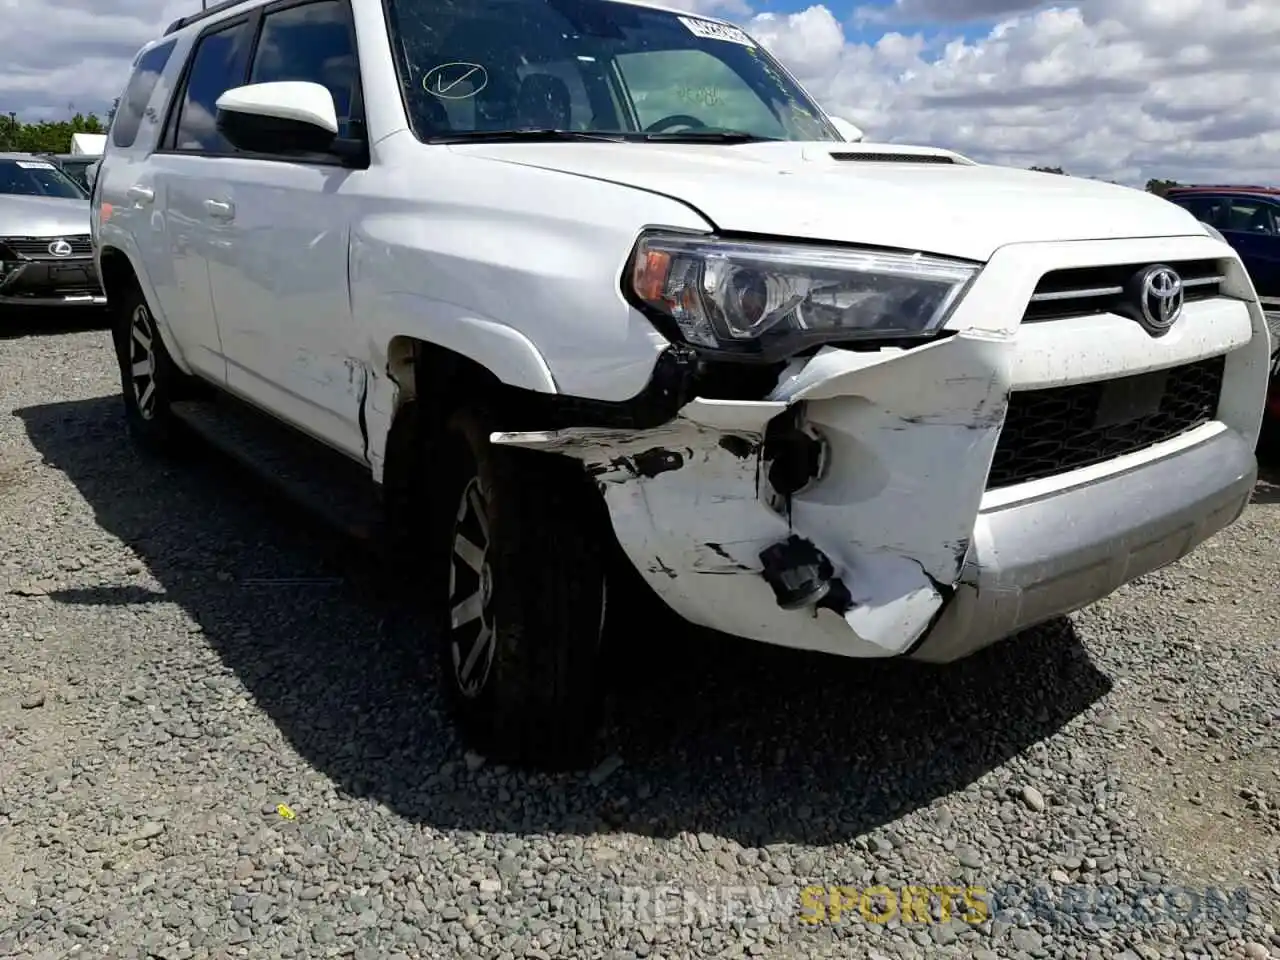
x=137, y=94
x=310, y=42
x=593, y=67
x=1250, y=216
x=217, y=65
x=37, y=178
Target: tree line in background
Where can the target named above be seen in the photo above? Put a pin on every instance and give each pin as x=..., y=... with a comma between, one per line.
x=1154, y=185
x=49, y=136
x=54, y=136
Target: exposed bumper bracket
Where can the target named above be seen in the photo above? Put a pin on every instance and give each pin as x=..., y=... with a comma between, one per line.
x=802, y=576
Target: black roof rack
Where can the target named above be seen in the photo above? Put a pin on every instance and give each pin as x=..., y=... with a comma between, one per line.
x=197, y=17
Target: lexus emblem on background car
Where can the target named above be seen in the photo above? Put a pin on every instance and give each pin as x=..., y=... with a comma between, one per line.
x=60, y=248
x=1159, y=294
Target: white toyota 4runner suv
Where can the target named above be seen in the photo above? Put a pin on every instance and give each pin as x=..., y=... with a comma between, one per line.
x=586, y=289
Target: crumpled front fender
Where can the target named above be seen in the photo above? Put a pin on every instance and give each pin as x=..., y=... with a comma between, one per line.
x=907, y=438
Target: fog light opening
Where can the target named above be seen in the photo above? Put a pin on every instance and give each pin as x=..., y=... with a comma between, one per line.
x=795, y=455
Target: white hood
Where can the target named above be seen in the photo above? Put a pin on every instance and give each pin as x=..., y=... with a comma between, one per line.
x=798, y=190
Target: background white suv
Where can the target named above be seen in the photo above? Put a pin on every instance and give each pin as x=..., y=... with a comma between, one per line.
x=589, y=291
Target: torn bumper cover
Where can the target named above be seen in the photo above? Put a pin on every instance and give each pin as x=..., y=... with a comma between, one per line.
x=846, y=514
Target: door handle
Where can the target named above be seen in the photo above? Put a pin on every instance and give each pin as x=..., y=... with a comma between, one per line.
x=219, y=209
x=140, y=194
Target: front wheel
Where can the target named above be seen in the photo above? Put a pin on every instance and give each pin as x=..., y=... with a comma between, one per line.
x=521, y=598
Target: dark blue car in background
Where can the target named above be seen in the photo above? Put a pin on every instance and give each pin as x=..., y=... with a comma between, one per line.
x=1249, y=219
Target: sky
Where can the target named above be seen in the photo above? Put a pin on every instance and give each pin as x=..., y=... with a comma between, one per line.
x=1121, y=89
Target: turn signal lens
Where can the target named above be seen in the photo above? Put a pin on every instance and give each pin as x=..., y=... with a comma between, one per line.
x=652, y=268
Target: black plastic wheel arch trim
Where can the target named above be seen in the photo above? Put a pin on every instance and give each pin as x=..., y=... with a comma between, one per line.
x=672, y=384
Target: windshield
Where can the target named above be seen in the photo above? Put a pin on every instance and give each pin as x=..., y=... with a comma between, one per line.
x=78, y=169
x=593, y=67
x=37, y=178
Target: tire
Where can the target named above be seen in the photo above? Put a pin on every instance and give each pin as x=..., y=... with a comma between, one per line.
x=149, y=380
x=1268, y=448
x=520, y=597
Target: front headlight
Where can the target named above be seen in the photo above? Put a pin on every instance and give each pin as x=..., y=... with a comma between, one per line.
x=1213, y=231
x=766, y=300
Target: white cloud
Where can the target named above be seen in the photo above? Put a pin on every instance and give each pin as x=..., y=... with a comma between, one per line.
x=1125, y=89
x=60, y=53
x=934, y=11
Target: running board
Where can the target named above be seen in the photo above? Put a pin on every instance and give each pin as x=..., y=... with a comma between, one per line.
x=322, y=481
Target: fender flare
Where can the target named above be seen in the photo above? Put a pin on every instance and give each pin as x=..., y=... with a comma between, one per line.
x=506, y=353
x=498, y=347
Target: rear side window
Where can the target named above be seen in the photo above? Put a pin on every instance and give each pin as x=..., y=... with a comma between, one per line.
x=133, y=102
x=217, y=65
x=311, y=42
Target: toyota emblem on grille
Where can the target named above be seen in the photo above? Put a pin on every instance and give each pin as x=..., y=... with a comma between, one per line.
x=60, y=248
x=1157, y=295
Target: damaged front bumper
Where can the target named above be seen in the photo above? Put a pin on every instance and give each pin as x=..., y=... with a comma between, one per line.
x=846, y=514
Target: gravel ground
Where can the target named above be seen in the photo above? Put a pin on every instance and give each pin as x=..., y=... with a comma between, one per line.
x=182, y=656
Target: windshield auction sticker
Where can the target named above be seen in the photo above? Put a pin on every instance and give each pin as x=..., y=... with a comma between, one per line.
x=710, y=30
x=455, y=81
x=34, y=165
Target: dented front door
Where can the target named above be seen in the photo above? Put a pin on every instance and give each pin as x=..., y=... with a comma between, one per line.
x=281, y=295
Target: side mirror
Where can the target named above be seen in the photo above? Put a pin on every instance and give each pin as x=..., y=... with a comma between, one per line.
x=91, y=173
x=849, y=131
x=285, y=116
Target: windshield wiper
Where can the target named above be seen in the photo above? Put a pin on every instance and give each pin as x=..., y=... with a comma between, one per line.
x=537, y=136
x=550, y=135
x=708, y=136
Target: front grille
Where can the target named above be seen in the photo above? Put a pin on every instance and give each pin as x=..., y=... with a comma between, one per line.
x=1052, y=431
x=1081, y=291
x=37, y=248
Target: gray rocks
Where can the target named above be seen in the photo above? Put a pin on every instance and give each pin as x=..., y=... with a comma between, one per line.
x=192, y=680
x=1032, y=798
x=1028, y=941
x=32, y=701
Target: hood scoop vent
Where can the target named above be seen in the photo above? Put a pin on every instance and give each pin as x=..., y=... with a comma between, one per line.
x=892, y=157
